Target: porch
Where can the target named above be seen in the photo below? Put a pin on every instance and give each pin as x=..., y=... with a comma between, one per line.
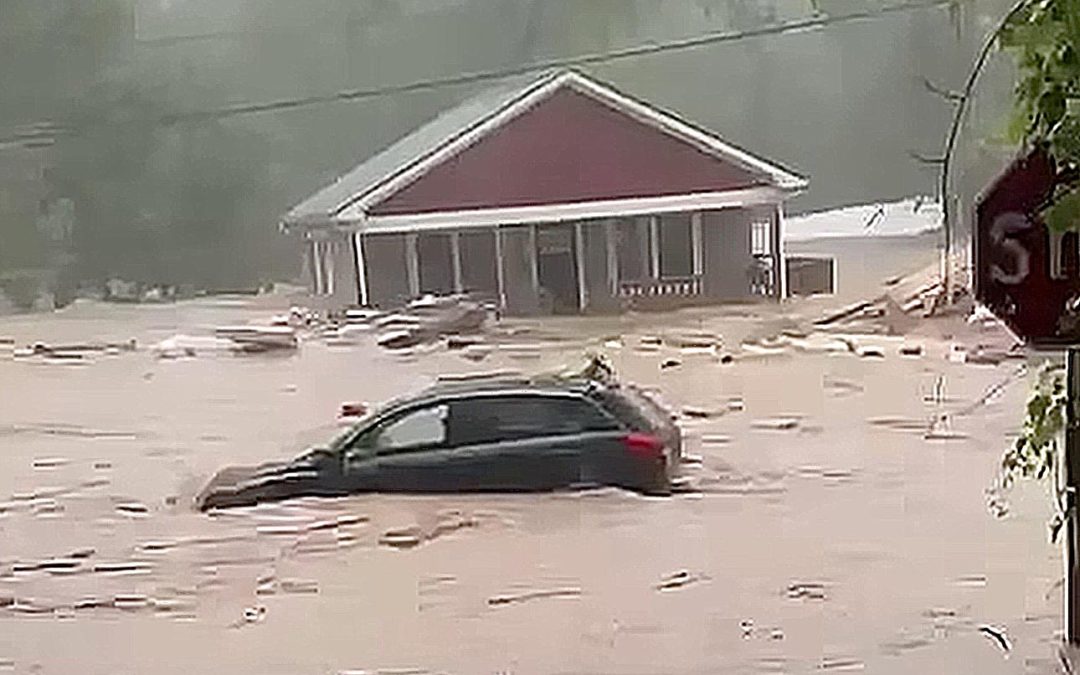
x=596, y=265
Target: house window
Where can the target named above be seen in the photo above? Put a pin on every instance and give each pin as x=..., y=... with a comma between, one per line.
x=760, y=235
x=633, y=248
x=676, y=257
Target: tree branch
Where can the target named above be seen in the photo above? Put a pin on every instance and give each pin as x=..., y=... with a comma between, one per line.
x=924, y=159
x=949, y=95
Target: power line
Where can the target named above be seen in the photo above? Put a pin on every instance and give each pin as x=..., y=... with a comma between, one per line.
x=783, y=28
x=800, y=25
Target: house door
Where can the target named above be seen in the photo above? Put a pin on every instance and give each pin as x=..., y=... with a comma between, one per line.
x=557, y=268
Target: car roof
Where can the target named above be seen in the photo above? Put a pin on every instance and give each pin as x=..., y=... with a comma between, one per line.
x=494, y=385
x=509, y=385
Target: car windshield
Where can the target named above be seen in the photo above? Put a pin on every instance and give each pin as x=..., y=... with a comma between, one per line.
x=342, y=440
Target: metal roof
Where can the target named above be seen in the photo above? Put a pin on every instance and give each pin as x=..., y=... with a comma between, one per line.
x=414, y=147
x=375, y=179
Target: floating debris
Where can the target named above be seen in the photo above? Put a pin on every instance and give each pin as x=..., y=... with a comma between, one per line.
x=409, y=537
x=129, y=567
x=998, y=636
x=134, y=509
x=251, y=615
x=810, y=590
x=60, y=565
x=533, y=595
x=678, y=579
x=715, y=439
x=944, y=435
x=701, y=413
x=842, y=387
x=50, y=462
x=455, y=342
x=131, y=601
x=776, y=423
x=299, y=586
x=870, y=352
x=901, y=424
x=843, y=664
x=986, y=358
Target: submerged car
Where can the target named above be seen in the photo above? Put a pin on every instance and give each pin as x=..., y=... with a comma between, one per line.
x=503, y=434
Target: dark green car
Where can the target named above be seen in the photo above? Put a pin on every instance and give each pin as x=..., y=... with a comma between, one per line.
x=504, y=434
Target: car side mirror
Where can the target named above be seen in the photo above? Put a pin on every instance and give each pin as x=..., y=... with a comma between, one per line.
x=317, y=455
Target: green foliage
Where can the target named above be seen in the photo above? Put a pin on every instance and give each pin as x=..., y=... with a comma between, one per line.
x=1044, y=39
x=1035, y=453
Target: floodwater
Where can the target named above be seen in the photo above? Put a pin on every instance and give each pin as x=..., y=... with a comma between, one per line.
x=825, y=533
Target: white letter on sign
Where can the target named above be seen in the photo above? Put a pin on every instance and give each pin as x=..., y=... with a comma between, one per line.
x=1011, y=223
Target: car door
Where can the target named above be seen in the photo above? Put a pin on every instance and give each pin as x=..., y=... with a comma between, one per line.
x=577, y=435
x=525, y=441
x=403, y=452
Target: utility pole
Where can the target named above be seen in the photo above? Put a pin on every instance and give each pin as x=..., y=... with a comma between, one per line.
x=1072, y=482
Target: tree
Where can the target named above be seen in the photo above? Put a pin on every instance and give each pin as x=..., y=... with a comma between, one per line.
x=153, y=201
x=1044, y=38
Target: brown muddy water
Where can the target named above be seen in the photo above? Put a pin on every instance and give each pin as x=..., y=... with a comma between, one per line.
x=825, y=534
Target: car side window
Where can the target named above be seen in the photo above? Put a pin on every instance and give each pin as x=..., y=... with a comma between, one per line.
x=490, y=419
x=416, y=429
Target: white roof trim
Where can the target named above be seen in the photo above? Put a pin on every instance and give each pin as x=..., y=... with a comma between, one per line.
x=549, y=213
x=662, y=120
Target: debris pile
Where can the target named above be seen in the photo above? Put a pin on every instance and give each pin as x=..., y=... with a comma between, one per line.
x=429, y=319
x=899, y=309
x=257, y=339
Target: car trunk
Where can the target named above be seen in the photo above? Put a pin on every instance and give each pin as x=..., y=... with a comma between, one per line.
x=646, y=412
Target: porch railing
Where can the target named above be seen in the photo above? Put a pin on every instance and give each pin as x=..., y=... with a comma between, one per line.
x=684, y=287
x=762, y=276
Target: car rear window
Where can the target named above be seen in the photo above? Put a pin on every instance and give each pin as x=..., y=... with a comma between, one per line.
x=490, y=419
x=636, y=409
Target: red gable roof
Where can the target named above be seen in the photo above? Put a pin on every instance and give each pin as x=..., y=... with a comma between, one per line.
x=568, y=148
x=558, y=146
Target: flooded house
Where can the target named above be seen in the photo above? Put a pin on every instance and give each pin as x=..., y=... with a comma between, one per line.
x=552, y=193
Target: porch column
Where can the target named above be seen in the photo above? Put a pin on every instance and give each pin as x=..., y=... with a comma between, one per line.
x=697, y=255
x=363, y=294
x=654, y=247
x=579, y=262
x=776, y=248
x=313, y=262
x=455, y=260
x=500, y=269
x=534, y=262
x=611, y=241
x=412, y=264
x=328, y=260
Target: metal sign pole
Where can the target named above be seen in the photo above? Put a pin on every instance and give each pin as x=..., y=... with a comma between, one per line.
x=1072, y=477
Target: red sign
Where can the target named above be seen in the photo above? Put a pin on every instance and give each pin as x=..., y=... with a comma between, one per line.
x=1026, y=275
